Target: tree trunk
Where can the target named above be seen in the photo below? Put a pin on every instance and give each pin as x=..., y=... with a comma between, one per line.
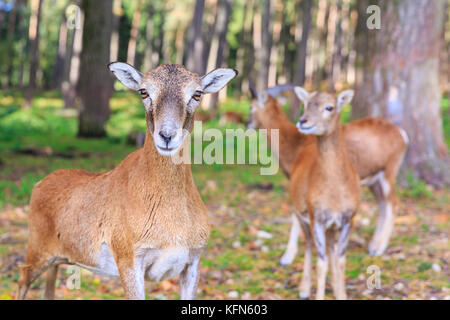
x=304, y=9
x=401, y=82
x=275, y=42
x=72, y=67
x=95, y=81
x=336, y=53
x=131, y=54
x=263, y=54
x=361, y=34
x=148, y=55
x=218, y=41
x=10, y=38
x=58, y=72
x=324, y=12
x=159, y=41
x=245, y=49
x=117, y=12
x=21, y=33
x=194, y=60
x=33, y=35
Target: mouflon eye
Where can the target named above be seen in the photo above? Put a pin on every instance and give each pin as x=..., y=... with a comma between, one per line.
x=143, y=93
x=329, y=108
x=197, y=95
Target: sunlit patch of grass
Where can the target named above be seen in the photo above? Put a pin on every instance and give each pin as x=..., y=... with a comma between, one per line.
x=424, y=266
x=416, y=188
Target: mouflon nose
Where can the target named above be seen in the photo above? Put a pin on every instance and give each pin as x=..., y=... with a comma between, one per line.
x=301, y=122
x=166, y=136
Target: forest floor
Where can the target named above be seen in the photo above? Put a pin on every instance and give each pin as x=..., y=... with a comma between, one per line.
x=240, y=261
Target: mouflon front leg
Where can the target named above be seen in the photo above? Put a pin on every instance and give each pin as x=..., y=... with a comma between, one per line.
x=292, y=246
x=322, y=259
x=305, y=284
x=344, y=234
x=189, y=279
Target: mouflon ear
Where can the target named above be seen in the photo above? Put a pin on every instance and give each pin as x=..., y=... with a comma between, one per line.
x=344, y=98
x=302, y=94
x=127, y=74
x=217, y=79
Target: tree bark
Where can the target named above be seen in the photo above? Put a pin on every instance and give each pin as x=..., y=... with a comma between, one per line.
x=361, y=35
x=117, y=12
x=336, y=52
x=218, y=41
x=263, y=54
x=277, y=25
x=72, y=67
x=401, y=82
x=194, y=60
x=304, y=9
x=10, y=38
x=33, y=35
x=94, y=85
x=244, y=52
x=131, y=54
x=304, y=6
x=58, y=72
x=148, y=55
x=159, y=41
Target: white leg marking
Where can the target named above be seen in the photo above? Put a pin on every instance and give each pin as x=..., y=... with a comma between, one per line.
x=292, y=246
x=322, y=260
x=385, y=186
x=385, y=228
x=404, y=135
x=189, y=280
x=305, y=284
x=385, y=223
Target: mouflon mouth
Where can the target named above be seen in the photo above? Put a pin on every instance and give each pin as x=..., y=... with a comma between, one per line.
x=305, y=130
x=166, y=151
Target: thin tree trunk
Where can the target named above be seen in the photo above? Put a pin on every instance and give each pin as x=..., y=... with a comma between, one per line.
x=117, y=12
x=179, y=43
x=194, y=60
x=33, y=35
x=131, y=54
x=159, y=40
x=302, y=44
x=22, y=48
x=148, y=63
x=11, y=34
x=274, y=48
x=263, y=54
x=361, y=38
x=72, y=70
x=218, y=41
x=336, y=55
x=94, y=85
x=284, y=47
x=243, y=49
x=330, y=40
x=58, y=75
x=304, y=9
x=401, y=83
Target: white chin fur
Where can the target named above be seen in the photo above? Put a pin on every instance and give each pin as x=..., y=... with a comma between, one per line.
x=311, y=130
x=167, y=152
